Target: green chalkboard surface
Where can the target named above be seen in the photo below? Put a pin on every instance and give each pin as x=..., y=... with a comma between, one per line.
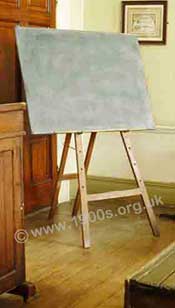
x=78, y=81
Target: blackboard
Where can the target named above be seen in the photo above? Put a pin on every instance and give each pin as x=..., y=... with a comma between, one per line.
x=78, y=81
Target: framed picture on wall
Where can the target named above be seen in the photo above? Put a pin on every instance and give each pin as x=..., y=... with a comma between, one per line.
x=145, y=19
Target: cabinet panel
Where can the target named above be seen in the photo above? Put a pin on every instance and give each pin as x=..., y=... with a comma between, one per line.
x=6, y=212
x=9, y=67
x=41, y=166
x=40, y=172
x=39, y=5
x=10, y=3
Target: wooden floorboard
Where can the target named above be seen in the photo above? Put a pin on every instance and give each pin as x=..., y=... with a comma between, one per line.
x=67, y=276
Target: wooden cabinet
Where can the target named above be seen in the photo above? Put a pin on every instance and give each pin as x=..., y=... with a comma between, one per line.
x=12, y=264
x=39, y=151
x=12, y=235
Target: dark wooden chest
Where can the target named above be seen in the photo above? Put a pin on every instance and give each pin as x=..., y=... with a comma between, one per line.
x=154, y=285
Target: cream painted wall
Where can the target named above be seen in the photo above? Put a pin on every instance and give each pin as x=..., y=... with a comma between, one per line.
x=155, y=151
x=70, y=14
x=77, y=14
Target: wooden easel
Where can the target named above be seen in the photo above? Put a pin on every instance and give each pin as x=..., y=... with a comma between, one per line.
x=82, y=198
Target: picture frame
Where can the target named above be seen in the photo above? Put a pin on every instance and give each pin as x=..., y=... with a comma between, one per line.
x=145, y=19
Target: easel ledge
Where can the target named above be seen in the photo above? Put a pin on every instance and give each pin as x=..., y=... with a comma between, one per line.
x=82, y=198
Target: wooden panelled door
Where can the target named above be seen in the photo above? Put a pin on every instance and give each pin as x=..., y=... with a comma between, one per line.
x=40, y=153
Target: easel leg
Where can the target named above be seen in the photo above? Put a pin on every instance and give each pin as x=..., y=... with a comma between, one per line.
x=87, y=162
x=59, y=175
x=150, y=213
x=83, y=190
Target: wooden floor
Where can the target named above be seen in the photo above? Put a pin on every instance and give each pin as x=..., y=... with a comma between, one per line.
x=68, y=276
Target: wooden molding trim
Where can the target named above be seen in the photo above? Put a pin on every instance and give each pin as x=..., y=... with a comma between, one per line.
x=6, y=107
x=122, y=181
x=101, y=184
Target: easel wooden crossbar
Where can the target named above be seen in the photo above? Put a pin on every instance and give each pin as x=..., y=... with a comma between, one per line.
x=82, y=198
